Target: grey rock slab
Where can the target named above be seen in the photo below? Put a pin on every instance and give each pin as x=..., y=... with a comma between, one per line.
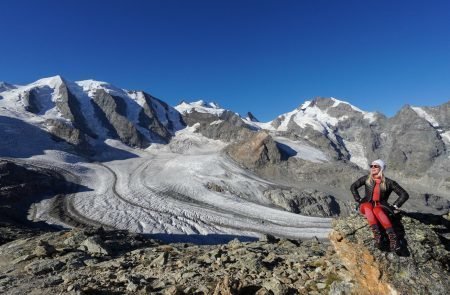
x=39, y=267
x=275, y=286
x=93, y=245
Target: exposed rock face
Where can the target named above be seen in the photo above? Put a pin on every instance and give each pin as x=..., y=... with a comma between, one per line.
x=148, y=118
x=62, y=130
x=421, y=268
x=227, y=126
x=415, y=143
x=251, y=117
x=260, y=149
x=31, y=103
x=436, y=202
x=308, y=202
x=113, y=114
x=70, y=108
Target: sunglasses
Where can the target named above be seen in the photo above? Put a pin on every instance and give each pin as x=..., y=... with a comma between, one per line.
x=374, y=166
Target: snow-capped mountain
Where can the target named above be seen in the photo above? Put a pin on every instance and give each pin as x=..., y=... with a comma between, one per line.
x=415, y=142
x=321, y=114
x=85, y=111
x=200, y=106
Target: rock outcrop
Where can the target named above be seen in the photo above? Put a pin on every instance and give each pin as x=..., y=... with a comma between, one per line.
x=422, y=266
x=258, y=150
x=414, y=144
x=226, y=126
x=307, y=202
x=113, y=114
x=148, y=118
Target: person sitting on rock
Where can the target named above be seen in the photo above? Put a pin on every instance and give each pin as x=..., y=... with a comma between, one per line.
x=374, y=205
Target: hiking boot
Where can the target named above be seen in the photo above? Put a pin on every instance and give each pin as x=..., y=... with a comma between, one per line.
x=376, y=235
x=394, y=244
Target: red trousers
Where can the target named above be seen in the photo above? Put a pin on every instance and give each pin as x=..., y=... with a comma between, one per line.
x=375, y=215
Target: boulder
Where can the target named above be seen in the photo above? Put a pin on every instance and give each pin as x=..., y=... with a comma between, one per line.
x=256, y=151
x=93, y=245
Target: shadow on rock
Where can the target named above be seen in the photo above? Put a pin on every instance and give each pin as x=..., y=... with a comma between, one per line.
x=286, y=151
x=440, y=225
x=21, y=186
x=210, y=239
x=24, y=140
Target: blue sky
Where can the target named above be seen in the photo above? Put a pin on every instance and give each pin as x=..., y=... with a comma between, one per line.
x=261, y=56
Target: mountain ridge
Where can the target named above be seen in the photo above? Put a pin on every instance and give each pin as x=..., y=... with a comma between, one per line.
x=132, y=148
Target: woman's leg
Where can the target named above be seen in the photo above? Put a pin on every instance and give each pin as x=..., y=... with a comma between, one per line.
x=367, y=210
x=382, y=217
x=386, y=223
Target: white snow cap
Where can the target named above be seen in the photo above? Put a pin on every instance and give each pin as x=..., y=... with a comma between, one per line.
x=380, y=163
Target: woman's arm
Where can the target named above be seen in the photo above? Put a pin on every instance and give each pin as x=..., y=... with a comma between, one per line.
x=355, y=186
x=402, y=194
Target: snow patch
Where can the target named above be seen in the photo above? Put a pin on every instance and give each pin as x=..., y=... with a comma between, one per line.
x=201, y=107
x=371, y=117
x=316, y=118
x=338, y=102
x=446, y=136
x=217, y=122
x=259, y=125
x=423, y=114
x=285, y=118
x=91, y=86
x=357, y=155
x=302, y=150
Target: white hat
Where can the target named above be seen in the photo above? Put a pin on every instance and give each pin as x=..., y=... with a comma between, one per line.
x=380, y=163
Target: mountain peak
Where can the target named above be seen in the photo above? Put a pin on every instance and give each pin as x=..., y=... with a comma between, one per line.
x=92, y=85
x=328, y=102
x=50, y=81
x=199, y=106
x=202, y=103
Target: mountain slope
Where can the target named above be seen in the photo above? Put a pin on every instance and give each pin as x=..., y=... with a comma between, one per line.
x=86, y=113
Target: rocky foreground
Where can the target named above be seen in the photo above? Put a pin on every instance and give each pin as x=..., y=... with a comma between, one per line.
x=95, y=261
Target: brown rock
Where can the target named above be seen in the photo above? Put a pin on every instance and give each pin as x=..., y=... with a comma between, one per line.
x=227, y=287
x=258, y=150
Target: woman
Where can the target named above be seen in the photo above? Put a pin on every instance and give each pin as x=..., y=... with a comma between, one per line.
x=373, y=205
